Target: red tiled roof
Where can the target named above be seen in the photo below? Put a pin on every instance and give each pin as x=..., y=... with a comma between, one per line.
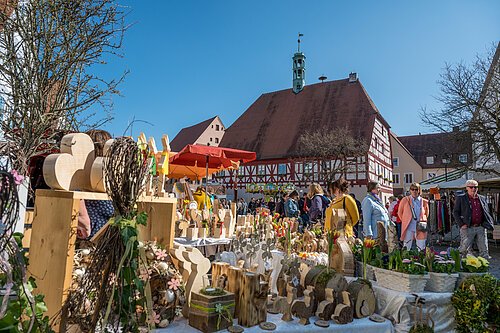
x=272, y=125
x=439, y=145
x=188, y=135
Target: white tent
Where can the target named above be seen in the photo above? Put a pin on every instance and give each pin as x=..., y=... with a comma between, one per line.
x=458, y=183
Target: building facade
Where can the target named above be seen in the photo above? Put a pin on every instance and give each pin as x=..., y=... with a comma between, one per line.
x=208, y=133
x=272, y=125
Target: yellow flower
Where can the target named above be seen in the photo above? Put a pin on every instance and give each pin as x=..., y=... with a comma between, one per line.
x=477, y=304
x=483, y=261
x=472, y=261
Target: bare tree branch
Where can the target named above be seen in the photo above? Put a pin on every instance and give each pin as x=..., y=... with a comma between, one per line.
x=470, y=99
x=336, y=149
x=51, y=52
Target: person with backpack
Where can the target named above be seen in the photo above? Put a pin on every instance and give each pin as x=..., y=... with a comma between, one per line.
x=318, y=203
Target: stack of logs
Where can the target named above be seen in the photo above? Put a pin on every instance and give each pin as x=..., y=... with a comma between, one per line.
x=327, y=295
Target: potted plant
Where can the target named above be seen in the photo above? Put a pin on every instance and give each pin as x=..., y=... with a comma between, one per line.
x=473, y=266
x=405, y=272
x=442, y=271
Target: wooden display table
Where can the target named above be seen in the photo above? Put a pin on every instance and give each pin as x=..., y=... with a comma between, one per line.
x=53, y=237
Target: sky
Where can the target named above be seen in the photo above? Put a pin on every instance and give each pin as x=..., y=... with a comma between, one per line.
x=191, y=60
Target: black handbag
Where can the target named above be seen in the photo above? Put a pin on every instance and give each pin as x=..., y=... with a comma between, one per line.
x=422, y=225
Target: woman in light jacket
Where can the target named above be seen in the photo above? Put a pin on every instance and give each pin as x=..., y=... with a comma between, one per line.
x=412, y=210
x=373, y=210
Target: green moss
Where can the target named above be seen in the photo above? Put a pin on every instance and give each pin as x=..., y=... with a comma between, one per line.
x=213, y=292
x=324, y=277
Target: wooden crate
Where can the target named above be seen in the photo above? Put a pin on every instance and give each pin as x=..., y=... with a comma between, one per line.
x=53, y=236
x=202, y=313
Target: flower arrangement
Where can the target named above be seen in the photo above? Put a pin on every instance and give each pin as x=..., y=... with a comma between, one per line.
x=412, y=266
x=472, y=264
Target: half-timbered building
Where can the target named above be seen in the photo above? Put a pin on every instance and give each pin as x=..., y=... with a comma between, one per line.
x=272, y=125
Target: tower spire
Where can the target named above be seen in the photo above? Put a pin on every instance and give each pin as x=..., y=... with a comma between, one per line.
x=299, y=69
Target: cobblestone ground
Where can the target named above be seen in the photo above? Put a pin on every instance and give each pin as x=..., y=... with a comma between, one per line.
x=494, y=249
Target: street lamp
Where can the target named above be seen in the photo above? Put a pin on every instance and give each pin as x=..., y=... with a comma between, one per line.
x=446, y=161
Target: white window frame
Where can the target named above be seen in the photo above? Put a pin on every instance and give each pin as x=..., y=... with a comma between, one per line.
x=463, y=158
x=261, y=170
x=395, y=162
x=405, y=177
x=431, y=175
x=429, y=160
x=395, y=176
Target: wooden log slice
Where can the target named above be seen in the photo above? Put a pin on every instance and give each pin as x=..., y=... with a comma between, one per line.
x=326, y=309
x=363, y=299
x=312, y=275
x=322, y=323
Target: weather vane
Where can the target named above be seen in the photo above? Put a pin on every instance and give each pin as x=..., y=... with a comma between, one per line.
x=298, y=41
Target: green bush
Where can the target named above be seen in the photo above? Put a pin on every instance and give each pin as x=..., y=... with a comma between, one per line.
x=477, y=304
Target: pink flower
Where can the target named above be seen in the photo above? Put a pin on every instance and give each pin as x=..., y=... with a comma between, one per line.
x=406, y=261
x=174, y=284
x=443, y=253
x=155, y=318
x=18, y=179
x=161, y=254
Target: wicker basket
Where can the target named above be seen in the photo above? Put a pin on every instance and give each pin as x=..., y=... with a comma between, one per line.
x=400, y=281
x=370, y=274
x=464, y=275
x=441, y=282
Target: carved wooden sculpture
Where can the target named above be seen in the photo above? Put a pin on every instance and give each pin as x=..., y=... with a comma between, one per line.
x=229, y=223
x=181, y=228
x=343, y=311
x=97, y=183
x=70, y=169
x=363, y=298
x=199, y=267
x=192, y=233
x=252, y=301
x=382, y=239
x=184, y=266
x=342, y=259
x=219, y=269
x=180, y=262
x=309, y=243
x=304, y=309
x=327, y=306
x=286, y=307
